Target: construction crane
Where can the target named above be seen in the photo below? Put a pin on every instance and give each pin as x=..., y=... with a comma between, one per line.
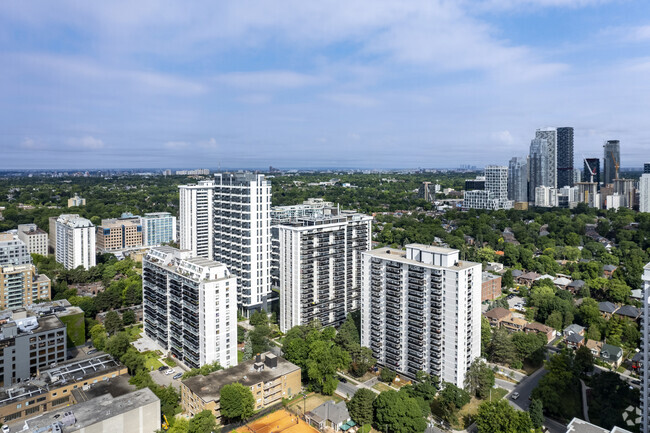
x=616, y=165
x=592, y=171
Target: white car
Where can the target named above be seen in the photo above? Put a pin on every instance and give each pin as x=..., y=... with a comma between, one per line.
x=169, y=371
x=5, y=429
x=514, y=396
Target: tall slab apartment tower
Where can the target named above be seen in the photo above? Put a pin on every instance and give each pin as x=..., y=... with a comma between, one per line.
x=228, y=220
x=190, y=307
x=645, y=350
x=421, y=310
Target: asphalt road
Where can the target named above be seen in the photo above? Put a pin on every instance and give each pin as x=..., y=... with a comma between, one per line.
x=525, y=388
x=346, y=389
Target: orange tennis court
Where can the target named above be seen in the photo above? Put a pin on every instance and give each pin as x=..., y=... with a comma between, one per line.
x=278, y=422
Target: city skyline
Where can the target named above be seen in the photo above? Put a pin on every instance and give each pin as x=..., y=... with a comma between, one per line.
x=318, y=85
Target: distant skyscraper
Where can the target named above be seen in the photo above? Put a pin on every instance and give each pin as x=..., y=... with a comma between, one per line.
x=564, y=157
x=495, y=195
x=550, y=135
x=242, y=234
x=591, y=165
x=612, y=158
x=646, y=167
x=518, y=180
x=644, y=193
x=427, y=192
x=537, y=166
x=645, y=351
x=196, y=210
x=158, y=228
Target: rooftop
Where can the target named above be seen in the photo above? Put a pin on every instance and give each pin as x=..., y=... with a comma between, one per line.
x=208, y=387
x=400, y=256
x=497, y=313
x=91, y=412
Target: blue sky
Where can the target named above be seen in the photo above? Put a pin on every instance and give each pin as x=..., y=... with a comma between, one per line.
x=373, y=84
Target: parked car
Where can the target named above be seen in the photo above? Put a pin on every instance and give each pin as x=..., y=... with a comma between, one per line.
x=5, y=429
x=177, y=376
x=169, y=371
x=91, y=351
x=162, y=368
x=514, y=396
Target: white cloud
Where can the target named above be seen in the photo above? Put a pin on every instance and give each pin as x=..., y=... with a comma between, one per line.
x=87, y=142
x=269, y=80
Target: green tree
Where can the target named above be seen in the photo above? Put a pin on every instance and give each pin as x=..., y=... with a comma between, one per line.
x=133, y=361
x=479, y=379
x=399, y=413
x=325, y=358
x=237, y=402
x=588, y=311
x=501, y=348
x=452, y=398
x=486, y=335
x=203, y=422
x=584, y=360
x=117, y=345
x=618, y=291
x=507, y=279
x=259, y=318
x=361, y=360
x=360, y=406
x=500, y=417
x=387, y=375
x=112, y=322
x=536, y=412
x=128, y=318
x=98, y=336
x=555, y=320
x=348, y=334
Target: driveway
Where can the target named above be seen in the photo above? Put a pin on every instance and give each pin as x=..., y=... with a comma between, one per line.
x=166, y=379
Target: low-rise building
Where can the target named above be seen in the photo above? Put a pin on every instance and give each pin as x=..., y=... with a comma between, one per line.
x=490, y=287
x=514, y=324
x=117, y=234
x=498, y=315
x=269, y=377
x=580, y=426
x=575, y=286
x=608, y=353
x=629, y=312
x=54, y=387
x=103, y=408
x=329, y=415
x=607, y=309
x=538, y=328
x=76, y=201
x=36, y=239
x=528, y=278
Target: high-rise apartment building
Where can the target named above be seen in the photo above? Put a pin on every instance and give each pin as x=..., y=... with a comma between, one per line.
x=21, y=285
x=320, y=268
x=646, y=167
x=75, y=242
x=537, y=166
x=550, y=143
x=591, y=170
x=158, y=228
x=645, y=351
x=242, y=235
x=427, y=192
x=196, y=215
x=612, y=160
x=495, y=195
x=118, y=234
x=545, y=196
x=644, y=193
x=35, y=238
x=308, y=208
x=477, y=184
x=190, y=307
x=421, y=310
x=518, y=180
x=564, y=157
x=13, y=251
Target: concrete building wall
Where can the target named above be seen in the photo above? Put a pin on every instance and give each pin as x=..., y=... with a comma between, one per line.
x=141, y=419
x=35, y=238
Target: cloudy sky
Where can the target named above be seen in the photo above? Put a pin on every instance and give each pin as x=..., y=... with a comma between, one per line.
x=295, y=83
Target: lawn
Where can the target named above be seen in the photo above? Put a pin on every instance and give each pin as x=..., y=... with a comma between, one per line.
x=133, y=332
x=312, y=402
x=381, y=387
x=151, y=361
x=170, y=362
x=471, y=409
x=240, y=356
x=369, y=375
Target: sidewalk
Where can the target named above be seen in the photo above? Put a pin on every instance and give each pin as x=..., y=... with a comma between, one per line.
x=516, y=375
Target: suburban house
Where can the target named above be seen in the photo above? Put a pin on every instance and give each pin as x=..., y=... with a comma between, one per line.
x=528, y=278
x=574, y=336
x=539, y=328
x=497, y=315
x=330, y=414
x=608, y=270
x=562, y=282
x=629, y=312
x=612, y=355
x=607, y=309
x=575, y=286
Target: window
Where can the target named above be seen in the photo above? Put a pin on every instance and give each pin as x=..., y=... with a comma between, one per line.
x=60, y=401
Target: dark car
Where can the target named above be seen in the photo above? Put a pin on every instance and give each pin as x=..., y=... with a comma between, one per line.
x=162, y=368
x=343, y=379
x=177, y=376
x=91, y=351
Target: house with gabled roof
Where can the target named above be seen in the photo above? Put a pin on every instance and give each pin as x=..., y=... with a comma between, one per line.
x=607, y=309
x=629, y=312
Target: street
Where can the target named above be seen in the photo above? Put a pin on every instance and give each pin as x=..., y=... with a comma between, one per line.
x=525, y=388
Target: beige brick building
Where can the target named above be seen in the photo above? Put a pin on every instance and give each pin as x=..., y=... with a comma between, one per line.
x=119, y=233
x=270, y=379
x=22, y=285
x=36, y=239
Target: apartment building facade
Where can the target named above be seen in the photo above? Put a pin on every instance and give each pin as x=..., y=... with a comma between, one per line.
x=270, y=379
x=21, y=285
x=118, y=234
x=242, y=235
x=320, y=268
x=196, y=214
x=13, y=251
x=644, y=371
x=36, y=239
x=190, y=307
x=158, y=228
x=421, y=310
x=75, y=242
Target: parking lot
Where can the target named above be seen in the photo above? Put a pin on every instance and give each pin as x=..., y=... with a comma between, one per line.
x=167, y=379
x=513, y=301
